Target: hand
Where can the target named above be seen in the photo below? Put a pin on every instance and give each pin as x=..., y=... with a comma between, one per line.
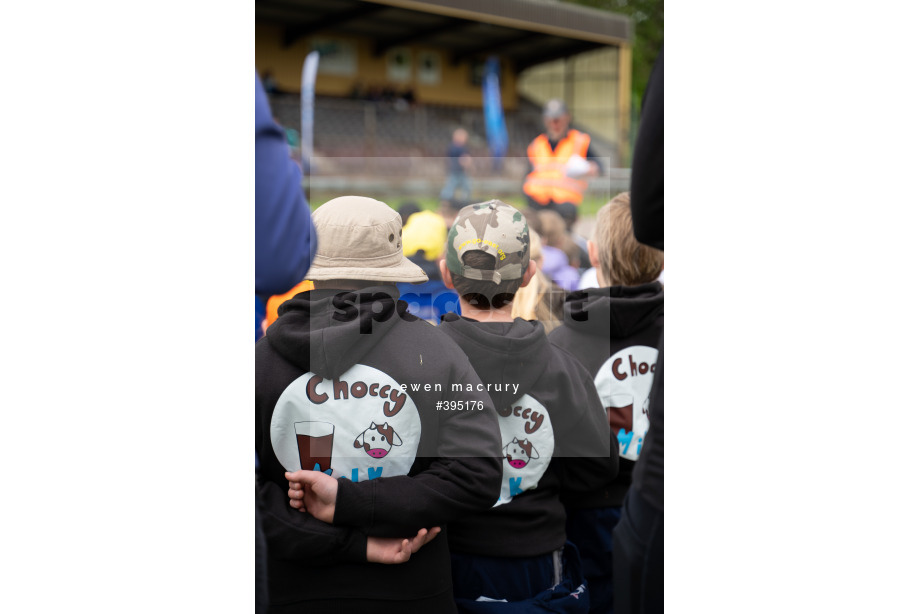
x=315, y=491
x=593, y=169
x=395, y=550
x=295, y=494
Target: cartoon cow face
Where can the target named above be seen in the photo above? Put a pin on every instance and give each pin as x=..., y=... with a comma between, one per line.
x=377, y=440
x=519, y=452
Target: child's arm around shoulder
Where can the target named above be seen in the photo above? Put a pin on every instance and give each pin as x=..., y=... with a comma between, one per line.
x=293, y=535
x=464, y=477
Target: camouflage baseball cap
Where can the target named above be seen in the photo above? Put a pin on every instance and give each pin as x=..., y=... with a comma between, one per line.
x=493, y=227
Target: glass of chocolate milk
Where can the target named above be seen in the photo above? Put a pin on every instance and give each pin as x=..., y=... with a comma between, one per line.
x=620, y=416
x=314, y=441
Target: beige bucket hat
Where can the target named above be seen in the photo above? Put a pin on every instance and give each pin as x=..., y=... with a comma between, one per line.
x=361, y=238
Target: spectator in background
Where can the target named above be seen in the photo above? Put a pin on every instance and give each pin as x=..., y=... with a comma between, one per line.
x=449, y=210
x=406, y=209
x=424, y=237
x=556, y=266
x=541, y=299
x=561, y=161
x=285, y=245
x=458, y=164
x=556, y=235
x=533, y=221
x=559, y=251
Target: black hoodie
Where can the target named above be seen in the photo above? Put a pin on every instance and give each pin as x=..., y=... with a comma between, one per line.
x=554, y=437
x=329, y=392
x=614, y=333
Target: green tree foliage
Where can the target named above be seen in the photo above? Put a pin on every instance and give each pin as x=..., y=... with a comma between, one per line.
x=648, y=22
x=648, y=17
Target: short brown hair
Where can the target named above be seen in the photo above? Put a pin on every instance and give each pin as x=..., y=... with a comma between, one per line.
x=484, y=294
x=623, y=260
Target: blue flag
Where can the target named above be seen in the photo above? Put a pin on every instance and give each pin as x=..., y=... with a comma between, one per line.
x=496, y=132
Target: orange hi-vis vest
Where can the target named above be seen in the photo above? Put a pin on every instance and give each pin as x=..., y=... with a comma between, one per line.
x=548, y=181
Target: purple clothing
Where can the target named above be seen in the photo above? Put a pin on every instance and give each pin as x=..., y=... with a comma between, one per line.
x=556, y=266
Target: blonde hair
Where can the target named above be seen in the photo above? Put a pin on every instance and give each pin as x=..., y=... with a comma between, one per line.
x=623, y=261
x=532, y=302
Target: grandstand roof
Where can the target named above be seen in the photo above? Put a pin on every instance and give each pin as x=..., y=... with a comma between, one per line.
x=527, y=32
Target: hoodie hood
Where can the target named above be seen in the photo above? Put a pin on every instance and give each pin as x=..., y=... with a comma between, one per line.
x=512, y=356
x=329, y=331
x=615, y=312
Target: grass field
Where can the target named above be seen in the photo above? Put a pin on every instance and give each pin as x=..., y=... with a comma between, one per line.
x=588, y=208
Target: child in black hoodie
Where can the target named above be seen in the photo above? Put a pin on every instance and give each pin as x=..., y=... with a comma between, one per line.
x=614, y=331
x=548, y=414
x=348, y=386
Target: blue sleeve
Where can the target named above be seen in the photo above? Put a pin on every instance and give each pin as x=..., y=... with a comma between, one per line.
x=285, y=236
x=260, y=315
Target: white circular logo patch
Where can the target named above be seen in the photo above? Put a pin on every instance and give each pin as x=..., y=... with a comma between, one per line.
x=361, y=425
x=527, y=446
x=624, y=383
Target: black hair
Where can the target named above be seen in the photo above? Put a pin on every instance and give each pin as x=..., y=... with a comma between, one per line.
x=484, y=294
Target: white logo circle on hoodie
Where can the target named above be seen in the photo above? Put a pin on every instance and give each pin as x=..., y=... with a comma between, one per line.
x=624, y=383
x=360, y=425
x=527, y=446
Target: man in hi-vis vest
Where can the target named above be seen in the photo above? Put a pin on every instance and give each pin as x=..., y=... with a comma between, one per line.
x=561, y=161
